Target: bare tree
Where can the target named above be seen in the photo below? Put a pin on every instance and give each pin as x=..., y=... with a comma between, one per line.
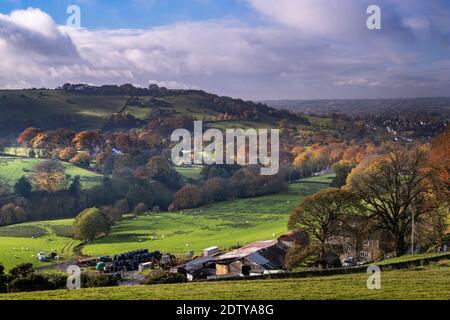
x=49, y=176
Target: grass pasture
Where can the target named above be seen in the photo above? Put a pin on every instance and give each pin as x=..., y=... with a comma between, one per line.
x=48, y=108
x=412, y=284
x=11, y=169
x=223, y=224
x=190, y=173
x=21, y=243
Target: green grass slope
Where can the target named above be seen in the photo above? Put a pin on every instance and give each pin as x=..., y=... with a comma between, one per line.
x=21, y=243
x=414, y=284
x=49, y=108
x=223, y=224
x=53, y=109
x=12, y=169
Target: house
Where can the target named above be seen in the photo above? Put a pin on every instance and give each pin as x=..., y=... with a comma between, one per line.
x=349, y=247
x=255, y=258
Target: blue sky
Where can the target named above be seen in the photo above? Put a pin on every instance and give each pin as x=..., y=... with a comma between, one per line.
x=137, y=13
x=253, y=49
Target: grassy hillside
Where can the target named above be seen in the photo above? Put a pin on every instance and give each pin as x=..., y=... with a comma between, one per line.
x=12, y=169
x=50, y=109
x=53, y=109
x=418, y=283
x=224, y=224
x=21, y=243
x=190, y=173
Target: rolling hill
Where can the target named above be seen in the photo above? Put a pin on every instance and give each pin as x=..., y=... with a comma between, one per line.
x=81, y=107
x=12, y=169
x=224, y=224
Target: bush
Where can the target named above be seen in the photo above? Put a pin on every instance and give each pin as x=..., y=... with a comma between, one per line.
x=296, y=256
x=164, y=277
x=22, y=270
x=37, y=282
x=32, y=282
x=116, y=211
x=141, y=208
x=3, y=279
x=99, y=280
x=443, y=263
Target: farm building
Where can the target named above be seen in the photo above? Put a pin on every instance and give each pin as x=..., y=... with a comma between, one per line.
x=200, y=267
x=255, y=258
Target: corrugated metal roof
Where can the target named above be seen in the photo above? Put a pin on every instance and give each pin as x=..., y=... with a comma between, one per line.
x=247, y=250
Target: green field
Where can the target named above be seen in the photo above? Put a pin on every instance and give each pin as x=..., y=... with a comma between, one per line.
x=21, y=243
x=412, y=284
x=190, y=173
x=12, y=169
x=224, y=224
x=30, y=107
x=52, y=109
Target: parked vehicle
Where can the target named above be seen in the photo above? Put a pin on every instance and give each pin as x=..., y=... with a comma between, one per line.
x=42, y=256
x=348, y=263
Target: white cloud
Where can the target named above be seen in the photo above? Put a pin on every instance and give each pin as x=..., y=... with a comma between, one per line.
x=305, y=49
x=315, y=17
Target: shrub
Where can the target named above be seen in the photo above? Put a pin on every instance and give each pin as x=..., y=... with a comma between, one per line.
x=443, y=263
x=32, y=282
x=296, y=256
x=22, y=270
x=99, y=280
x=164, y=277
x=37, y=282
x=141, y=208
x=3, y=279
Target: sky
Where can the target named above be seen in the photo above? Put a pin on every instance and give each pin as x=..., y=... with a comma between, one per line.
x=252, y=49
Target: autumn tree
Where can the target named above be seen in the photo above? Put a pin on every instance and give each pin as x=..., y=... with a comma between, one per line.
x=395, y=189
x=87, y=140
x=49, y=176
x=11, y=213
x=321, y=213
x=158, y=167
x=439, y=162
x=81, y=160
x=342, y=169
x=67, y=153
x=27, y=135
x=90, y=224
x=187, y=197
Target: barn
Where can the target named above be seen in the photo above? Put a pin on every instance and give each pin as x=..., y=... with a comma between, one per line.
x=252, y=259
